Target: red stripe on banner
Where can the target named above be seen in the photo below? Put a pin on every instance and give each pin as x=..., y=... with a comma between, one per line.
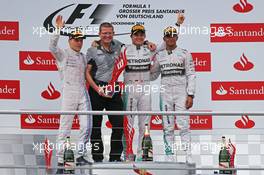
x=237, y=32
x=37, y=60
x=9, y=89
x=239, y=90
x=9, y=30
x=44, y=121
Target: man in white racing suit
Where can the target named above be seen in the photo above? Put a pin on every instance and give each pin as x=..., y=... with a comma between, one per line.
x=72, y=65
x=178, y=81
x=137, y=95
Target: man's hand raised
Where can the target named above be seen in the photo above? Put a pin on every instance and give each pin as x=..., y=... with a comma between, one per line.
x=180, y=18
x=59, y=22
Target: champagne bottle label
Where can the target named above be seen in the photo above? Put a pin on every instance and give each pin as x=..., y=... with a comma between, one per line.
x=224, y=165
x=69, y=165
x=150, y=153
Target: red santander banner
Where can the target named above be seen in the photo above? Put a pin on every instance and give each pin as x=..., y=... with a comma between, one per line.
x=9, y=89
x=238, y=90
x=202, y=61
x=197, y=122
x=237, y=32
x=44, y=121
x=35, y=60
x=9, y=30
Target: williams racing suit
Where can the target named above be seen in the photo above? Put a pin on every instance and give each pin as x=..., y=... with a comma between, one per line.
x=72, y=65
x=137, y=95
x=177, y=82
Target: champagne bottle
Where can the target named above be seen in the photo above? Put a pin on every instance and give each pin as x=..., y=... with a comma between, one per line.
x=224, y=158
x=68, y=157
x=147, y=146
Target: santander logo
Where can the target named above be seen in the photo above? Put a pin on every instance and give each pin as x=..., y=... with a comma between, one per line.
x=243, y=7
x=245, y=123
x=156, y=120
x=243, y=64
x=28, y=60
x=220, y=32
x=221, y=91
x=30, y=119
x=50, y=93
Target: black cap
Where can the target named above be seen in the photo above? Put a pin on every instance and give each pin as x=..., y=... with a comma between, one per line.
x=137, y=28
x=170, y=31
x=76, y=34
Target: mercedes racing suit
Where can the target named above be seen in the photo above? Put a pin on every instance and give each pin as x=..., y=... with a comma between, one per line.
x=137, y=95
x=177, y=82
x=72, y=65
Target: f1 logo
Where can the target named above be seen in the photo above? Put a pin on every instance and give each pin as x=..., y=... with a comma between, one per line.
x=77, y=13
x=98, y=15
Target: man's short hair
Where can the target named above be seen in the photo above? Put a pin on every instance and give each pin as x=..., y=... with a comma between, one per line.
x=106, y=24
